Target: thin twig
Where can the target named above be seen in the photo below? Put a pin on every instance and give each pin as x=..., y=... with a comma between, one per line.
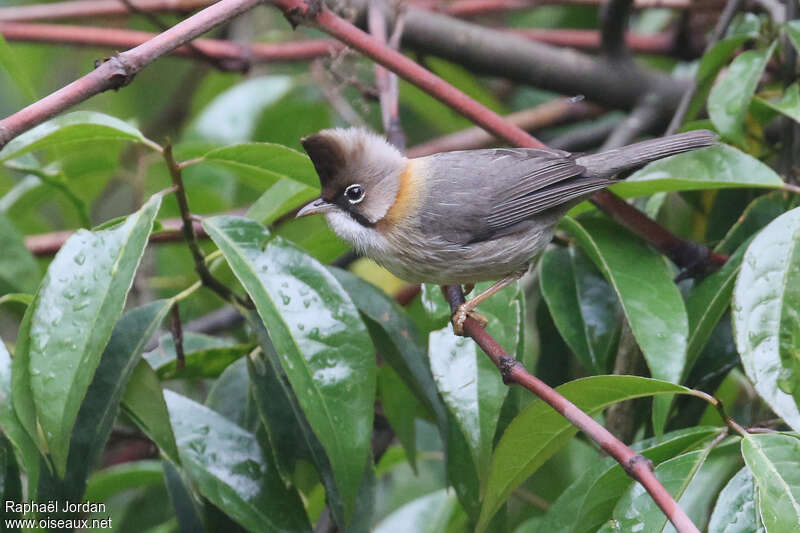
x=176, y=329
x=191, y=240
x=386, y=81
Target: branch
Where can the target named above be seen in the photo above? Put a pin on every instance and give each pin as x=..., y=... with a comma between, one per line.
x=646, y=43
x=615, y=15
x=552, y=113
x=636, y=466
x=124, y=39
x=386, y=81
x=120, y=69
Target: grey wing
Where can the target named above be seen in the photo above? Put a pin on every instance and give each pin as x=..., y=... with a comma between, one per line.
x=479, y=194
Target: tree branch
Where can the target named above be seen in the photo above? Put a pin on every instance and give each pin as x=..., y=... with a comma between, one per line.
x=647, y=43
x=116, y=39
x=120, y=69
x=615, y=15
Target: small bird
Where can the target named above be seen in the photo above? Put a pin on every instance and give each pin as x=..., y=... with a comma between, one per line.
x=465, y=216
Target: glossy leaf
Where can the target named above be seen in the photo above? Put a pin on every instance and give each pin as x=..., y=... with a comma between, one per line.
x=100, y=407
x=636, y=273
x=143, y=402
x=766, y=300
x=16, y=297
x=323, y=344
x=79, y=301
x=735, y=510
x=706, y=304
x=397, y=339
x=18, y=269
x=470, y=384
x=229, y=395
x=428, y=514
x=730, y=97
x=10, y=424
x=538, y=431
x=205, y=356
x=283, y=196
x=590, y=500
x=262, y=165
x=75, y=127
x=772, y=458
x=583, y=306
x=227, y=466
x=400, y=407
x=232, y=116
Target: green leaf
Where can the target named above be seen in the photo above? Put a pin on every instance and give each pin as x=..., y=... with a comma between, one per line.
x=400, y=407
x=9, y=61
x=789, y=104
x=730, y=97
x=636, y=273
x=756, y=216
x=715, y=167
x=100, y=407
x=792, y=28
x=126, y=476
x=283, y=196
x=21, y=394
x=232, y=116
x=302, y=111
x=589, y=501
x=470, y=384
x=19, y=271
x=766, y=301
x=227, y=466
x=262, y=165
x=428, y=514
x=397, y=339
x=538, y=431
x=79, y=301
x=323, y=344
x=735, y=510
x=187, y=508
x=75, y=127
x=583, y=306
x=11, y=426
x=143, y=402
x=205, y=356
x=17, y=297
x=707, y=302
x=229, y=395
x=313, y=235
x=773, y=460
x=693, y=479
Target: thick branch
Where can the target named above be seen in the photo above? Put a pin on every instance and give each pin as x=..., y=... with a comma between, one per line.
x=615, y=21
x=124, y=39
x=119, y=70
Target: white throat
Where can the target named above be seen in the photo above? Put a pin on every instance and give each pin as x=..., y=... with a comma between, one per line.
x=366, y=241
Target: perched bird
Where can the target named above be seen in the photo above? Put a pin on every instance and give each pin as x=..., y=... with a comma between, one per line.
x=466, y=216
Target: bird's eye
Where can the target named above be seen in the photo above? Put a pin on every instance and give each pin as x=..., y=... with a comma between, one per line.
x=354, y=193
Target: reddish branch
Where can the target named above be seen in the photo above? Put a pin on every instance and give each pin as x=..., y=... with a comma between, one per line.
x=459, y=8
x=646, y=43
x=120, y=69
x=118, y=39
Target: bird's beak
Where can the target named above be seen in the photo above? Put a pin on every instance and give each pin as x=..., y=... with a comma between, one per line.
x=317, y=206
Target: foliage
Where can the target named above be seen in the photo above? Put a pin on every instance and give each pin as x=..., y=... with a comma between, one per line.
x=274, y=422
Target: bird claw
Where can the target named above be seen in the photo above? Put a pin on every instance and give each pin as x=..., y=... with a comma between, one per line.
x=460, y=316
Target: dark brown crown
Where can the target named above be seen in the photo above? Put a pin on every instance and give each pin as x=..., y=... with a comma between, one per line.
x=327, y=155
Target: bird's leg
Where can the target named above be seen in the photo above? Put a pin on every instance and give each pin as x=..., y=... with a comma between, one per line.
x=467, y=308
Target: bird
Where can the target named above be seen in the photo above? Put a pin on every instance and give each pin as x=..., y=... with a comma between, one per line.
x=461, y=217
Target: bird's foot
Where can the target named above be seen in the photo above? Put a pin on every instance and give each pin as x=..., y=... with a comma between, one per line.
x=460, y=316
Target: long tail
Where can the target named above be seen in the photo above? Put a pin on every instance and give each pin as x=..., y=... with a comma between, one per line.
x=607, y=164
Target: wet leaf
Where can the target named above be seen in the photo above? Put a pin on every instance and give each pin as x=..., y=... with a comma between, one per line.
x=205, y=356
x=772, y=458
x=538, y=431
x=143, y=402
x=730, y=97
x=766, y=301
x=735, y=510
x=19, y=271
x=637, y=273
x=229, y=394
x=428, y=514
x=75, y=127
x=400, y=407
x=226, y=466
x=73, y=315
x=324, y=346
x=583, y=306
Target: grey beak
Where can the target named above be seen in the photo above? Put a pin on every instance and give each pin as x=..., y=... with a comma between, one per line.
x=317, y=206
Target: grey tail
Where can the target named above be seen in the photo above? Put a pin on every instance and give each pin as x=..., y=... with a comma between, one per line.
x=607, y=164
